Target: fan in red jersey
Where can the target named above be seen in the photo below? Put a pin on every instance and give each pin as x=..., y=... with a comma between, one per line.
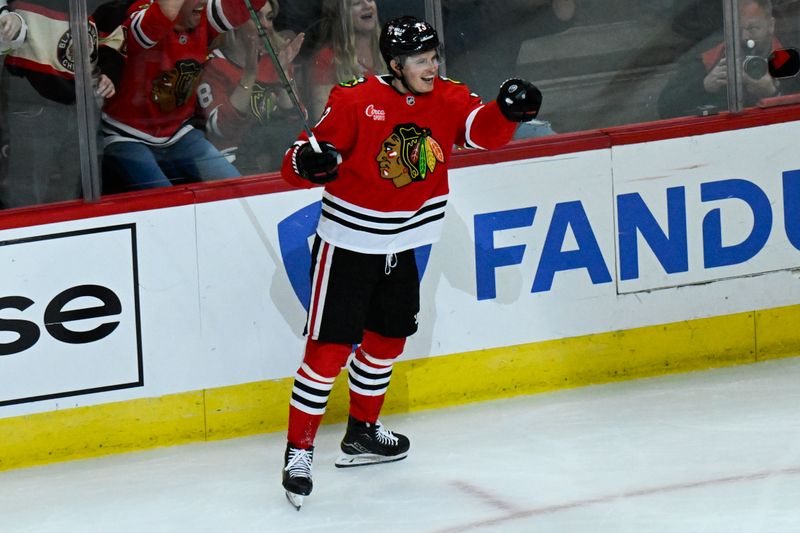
x=149, y=141
x=385, y=147
x=241, y=99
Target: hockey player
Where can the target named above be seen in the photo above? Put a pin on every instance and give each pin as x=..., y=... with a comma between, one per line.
x=148, y=138
x=386, y=144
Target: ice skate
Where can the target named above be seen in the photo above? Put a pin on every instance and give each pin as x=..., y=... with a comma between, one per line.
x=366, y=444
x=297, y=474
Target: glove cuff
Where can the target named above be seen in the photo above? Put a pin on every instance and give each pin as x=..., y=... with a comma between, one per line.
x=295, y=149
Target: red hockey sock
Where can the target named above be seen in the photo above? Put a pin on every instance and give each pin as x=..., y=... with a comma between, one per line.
x=369, y=374
x=312, y=385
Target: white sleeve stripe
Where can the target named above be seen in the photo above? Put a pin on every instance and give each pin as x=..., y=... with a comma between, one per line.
x=216, y=16
x=470, y=120
x=138, y=33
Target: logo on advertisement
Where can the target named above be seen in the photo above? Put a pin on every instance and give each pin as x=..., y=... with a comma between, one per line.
x=376, y=114
x=69, y=314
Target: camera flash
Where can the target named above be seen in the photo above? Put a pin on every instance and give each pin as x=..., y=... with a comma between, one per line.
x=750, y=43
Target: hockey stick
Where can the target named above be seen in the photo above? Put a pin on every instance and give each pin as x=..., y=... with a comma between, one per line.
x=287, y=85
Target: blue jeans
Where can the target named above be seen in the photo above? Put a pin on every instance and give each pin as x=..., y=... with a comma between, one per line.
x=129, y=166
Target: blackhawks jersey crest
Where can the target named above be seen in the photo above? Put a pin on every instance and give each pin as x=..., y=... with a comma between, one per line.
x=408, y=154
x=173, y=88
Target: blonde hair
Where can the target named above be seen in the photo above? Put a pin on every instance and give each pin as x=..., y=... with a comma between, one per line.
x=339, y=33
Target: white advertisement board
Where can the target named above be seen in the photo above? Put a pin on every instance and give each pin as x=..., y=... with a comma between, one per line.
x=697, y=209
x=532, y=250
x=69, y=314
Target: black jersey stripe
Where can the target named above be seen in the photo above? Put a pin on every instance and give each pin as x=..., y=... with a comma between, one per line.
x=377, y=231
x=384, y=220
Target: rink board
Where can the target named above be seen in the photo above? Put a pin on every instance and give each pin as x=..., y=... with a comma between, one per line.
x=179, y=324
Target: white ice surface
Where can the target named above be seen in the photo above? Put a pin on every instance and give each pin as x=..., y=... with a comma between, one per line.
x=715, y=451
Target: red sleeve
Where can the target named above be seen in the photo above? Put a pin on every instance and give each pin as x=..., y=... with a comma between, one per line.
x=482, y=125
x=488, y=128
x=148, y=25
x=224, y=123
x=337, y=126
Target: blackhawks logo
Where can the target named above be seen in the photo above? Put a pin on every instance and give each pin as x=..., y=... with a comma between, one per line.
x=174, y=87
x=64, y=49
x=408, y=155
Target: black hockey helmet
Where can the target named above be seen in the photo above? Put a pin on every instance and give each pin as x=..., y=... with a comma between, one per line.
x=405, y=36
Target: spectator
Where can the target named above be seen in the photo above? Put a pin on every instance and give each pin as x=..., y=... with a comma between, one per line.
x=38, y=78
x=349, y=48
x=241, y=94
x=700, y=84
x=149, y=141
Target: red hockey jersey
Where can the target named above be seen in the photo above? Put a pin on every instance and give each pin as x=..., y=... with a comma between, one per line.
x=156, y=97
x=392, y=188
x=225, y=125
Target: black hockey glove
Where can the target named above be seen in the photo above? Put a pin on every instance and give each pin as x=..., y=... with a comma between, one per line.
x=519, y=100
x=317, y=167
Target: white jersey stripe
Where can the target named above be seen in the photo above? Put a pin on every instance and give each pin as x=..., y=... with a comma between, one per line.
x=369, y=231
x=390, y=225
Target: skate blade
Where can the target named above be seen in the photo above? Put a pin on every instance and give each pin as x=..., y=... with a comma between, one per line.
x=295, y=499
x=346, y=460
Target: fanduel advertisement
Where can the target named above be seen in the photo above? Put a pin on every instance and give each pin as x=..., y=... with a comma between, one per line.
x=638, y=218
x=69, y=314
